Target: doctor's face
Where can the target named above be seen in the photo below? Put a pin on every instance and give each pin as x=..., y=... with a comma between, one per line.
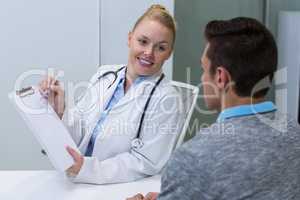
x=150, y=44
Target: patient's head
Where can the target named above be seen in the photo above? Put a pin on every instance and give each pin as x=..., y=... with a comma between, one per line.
x=242, y=52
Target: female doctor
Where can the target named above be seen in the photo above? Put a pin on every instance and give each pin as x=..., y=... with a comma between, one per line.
x=127, y=123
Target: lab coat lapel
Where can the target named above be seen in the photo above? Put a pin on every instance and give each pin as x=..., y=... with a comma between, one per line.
x=108, y=91
x=105, y=95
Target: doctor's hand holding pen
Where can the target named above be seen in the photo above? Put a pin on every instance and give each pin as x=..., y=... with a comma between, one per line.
x=53, y=91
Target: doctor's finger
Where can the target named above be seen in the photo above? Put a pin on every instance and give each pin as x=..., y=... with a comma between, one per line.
x=57, y=88
x=43, y=85
x=51, y=81
x=136, y=197
x=76, y=156
x=151, y=196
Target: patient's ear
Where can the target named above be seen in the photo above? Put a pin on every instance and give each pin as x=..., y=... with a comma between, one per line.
x=222, y=78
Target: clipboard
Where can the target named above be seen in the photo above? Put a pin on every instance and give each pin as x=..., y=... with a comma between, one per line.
x=46, y=126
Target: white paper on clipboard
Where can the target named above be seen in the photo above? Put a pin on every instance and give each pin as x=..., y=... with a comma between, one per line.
x=46, y=126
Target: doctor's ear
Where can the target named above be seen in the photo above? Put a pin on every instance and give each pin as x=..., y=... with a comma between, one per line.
x=129, y=38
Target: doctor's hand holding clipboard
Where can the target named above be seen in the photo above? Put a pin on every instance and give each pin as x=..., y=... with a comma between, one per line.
x=127, y=122
x=51, y=89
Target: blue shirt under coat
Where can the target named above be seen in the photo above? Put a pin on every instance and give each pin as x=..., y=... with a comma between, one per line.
x=118, y=94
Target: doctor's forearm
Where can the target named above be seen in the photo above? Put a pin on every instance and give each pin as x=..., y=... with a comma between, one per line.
x=61, y=110
x=61, y=114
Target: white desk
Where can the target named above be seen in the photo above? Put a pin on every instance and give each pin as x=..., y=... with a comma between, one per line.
x=50, y=185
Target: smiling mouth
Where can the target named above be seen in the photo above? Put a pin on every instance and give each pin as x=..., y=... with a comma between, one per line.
x=144, y=62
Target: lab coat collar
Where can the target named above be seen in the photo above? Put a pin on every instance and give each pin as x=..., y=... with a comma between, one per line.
x=139, y=88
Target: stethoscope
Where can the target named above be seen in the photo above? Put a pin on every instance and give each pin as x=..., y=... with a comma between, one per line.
x=136, y=143
x=114, y=73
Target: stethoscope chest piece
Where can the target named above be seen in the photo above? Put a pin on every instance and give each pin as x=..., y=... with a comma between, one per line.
x=137, y=143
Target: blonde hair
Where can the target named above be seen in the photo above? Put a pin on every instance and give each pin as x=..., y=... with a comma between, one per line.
x=159, y=13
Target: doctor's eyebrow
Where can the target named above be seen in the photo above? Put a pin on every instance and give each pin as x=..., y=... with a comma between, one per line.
x=161, y=42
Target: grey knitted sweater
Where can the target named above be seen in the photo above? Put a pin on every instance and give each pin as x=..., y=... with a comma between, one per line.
x=245, y=158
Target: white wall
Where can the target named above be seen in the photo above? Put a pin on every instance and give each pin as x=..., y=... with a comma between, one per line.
x=287, y=97
x=36, y=34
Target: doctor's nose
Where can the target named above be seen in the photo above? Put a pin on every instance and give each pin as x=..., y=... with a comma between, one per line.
x=149, y=50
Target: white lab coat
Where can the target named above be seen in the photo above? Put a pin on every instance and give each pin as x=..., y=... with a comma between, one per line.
x=114, y=160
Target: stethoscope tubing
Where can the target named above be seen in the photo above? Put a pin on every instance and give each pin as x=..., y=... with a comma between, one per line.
x=137, y=143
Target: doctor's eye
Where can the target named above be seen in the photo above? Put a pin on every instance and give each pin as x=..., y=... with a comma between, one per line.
x=162, y=48
x=142, y=42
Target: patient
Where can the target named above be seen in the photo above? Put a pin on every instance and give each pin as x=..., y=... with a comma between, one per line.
x=252, y=151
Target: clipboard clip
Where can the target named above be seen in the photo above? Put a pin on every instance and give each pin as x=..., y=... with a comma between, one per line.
x=25, y=91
